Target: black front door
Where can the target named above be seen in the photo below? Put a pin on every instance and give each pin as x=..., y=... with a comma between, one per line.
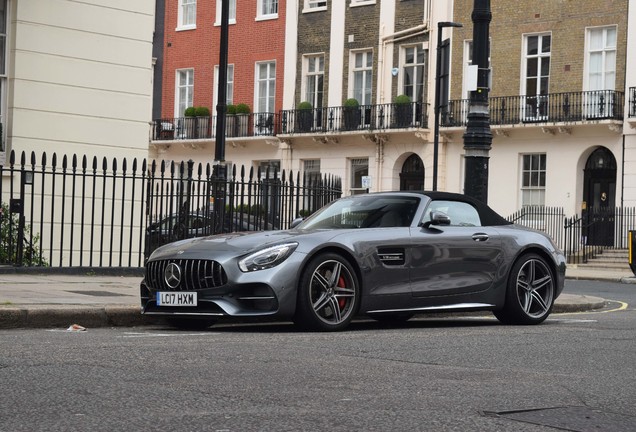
x=600, y=198
x=412, y=175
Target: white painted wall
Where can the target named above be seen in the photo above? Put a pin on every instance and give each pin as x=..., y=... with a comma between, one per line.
x=80, y=77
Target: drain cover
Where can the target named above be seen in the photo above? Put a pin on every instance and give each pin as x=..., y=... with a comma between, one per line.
x=576, y=419
x=98, y=293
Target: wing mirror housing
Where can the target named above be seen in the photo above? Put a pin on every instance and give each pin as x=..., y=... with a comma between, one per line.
x=437, y=219
x=296, y=222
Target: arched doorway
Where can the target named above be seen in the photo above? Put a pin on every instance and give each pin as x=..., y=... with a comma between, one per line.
x=412, y=174
x=599, y=196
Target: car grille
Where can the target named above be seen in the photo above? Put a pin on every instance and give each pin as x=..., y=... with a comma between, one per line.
x=195, y=274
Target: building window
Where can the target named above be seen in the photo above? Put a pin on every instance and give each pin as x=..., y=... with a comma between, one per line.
x=359, y=170
x=187, y=14
x=601, y=72
x=267, y=9
x=537, y=76
x=230, y=85
x=265, y=87
x=362, y=74
x=314, y=79
x=232, y=12
x=315, y=5
x=414, y=70
x=533, y=180
x=185, y=91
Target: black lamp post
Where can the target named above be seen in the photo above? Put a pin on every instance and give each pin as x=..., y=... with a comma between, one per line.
x=438, y=96
x=219, y=173
x=478, y=137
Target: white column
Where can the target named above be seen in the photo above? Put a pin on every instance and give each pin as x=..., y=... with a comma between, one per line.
x=336, y=52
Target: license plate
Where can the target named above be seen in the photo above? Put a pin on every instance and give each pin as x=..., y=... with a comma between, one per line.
x=176, y=298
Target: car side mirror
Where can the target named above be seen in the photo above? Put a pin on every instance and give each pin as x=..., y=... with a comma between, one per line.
x=296, y=222
x=437, y=219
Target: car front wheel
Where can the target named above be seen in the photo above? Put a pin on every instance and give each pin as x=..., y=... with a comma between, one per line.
x=328, y=294
x=530, y=292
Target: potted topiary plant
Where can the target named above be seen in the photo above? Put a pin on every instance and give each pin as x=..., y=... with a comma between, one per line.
x=403, y=111
x=304, y=117
x=202, y=122
x=351, y=114
x=243, y=118
x=230, y=120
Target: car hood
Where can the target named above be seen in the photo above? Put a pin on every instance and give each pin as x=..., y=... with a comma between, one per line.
x=236, y=243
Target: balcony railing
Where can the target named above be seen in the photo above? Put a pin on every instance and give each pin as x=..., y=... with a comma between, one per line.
x=361, y=118
x=632, y=102
x=312, y=121
x=549, y=108
x=192, y=128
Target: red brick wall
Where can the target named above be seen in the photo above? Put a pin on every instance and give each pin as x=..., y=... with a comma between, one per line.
x=249, y=41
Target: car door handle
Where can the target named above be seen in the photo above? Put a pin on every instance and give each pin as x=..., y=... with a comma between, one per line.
x=480, y=237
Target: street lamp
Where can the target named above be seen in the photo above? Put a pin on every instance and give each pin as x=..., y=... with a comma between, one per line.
x=438, y=96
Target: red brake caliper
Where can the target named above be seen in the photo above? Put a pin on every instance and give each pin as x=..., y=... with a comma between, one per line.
x=341, y=301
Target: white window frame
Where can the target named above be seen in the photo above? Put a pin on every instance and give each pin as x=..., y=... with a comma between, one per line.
x=403, y=65
x=271, y=64
x=313, y=73
x=530, y=113
x=261, y=4
x=230, y=86
x=592, y=102
x=367, y=75
x=188, y=88
x=353, y=163
x=183, y=6
x=231, y=18
x=314, y=5
x=533, y=187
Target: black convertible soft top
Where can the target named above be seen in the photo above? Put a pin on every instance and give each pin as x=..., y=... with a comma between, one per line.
x=487, y=215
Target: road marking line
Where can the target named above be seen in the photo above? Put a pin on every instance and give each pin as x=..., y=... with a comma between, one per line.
x=623, y=306
x=141, y=335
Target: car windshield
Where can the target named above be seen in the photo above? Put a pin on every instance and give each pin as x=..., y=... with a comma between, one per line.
x=364, y=212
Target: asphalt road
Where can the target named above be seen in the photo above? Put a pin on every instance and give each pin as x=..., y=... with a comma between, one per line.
x=575, y=372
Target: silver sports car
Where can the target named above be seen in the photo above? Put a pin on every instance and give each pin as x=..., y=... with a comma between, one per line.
x=387, y=255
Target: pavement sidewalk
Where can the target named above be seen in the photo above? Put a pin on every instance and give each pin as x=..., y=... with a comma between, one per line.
x=49, y=300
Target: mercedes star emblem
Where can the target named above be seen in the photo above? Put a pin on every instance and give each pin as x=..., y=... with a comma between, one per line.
x=172, y=275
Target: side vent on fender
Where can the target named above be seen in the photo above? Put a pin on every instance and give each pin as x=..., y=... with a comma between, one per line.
x=391, y=256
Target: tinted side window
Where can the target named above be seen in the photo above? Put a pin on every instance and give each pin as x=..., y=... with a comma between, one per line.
x=460, y=213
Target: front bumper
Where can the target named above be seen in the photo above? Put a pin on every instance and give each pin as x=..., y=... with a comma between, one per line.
x=270, y=292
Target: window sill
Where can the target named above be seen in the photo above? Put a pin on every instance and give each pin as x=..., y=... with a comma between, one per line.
x=186, y=27
x=318, y=9
x=266, y=17
x=230, y=22
x=361, y=3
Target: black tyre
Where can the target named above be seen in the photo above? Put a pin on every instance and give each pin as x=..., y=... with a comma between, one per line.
x=530, y=292
x=328, y=294
x=183, y=323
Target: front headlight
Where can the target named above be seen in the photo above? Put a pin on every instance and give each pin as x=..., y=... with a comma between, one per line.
x=267, y=258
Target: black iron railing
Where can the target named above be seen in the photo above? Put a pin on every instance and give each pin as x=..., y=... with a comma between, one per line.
x=82, y=212
x=549, y=108
x=632, y=102
x=192, y=128
x=361, y=118
x=597, y=229
x=542, y=218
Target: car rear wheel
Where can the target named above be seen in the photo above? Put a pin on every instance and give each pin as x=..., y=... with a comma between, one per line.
x=530, y=292
x=328, y=294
